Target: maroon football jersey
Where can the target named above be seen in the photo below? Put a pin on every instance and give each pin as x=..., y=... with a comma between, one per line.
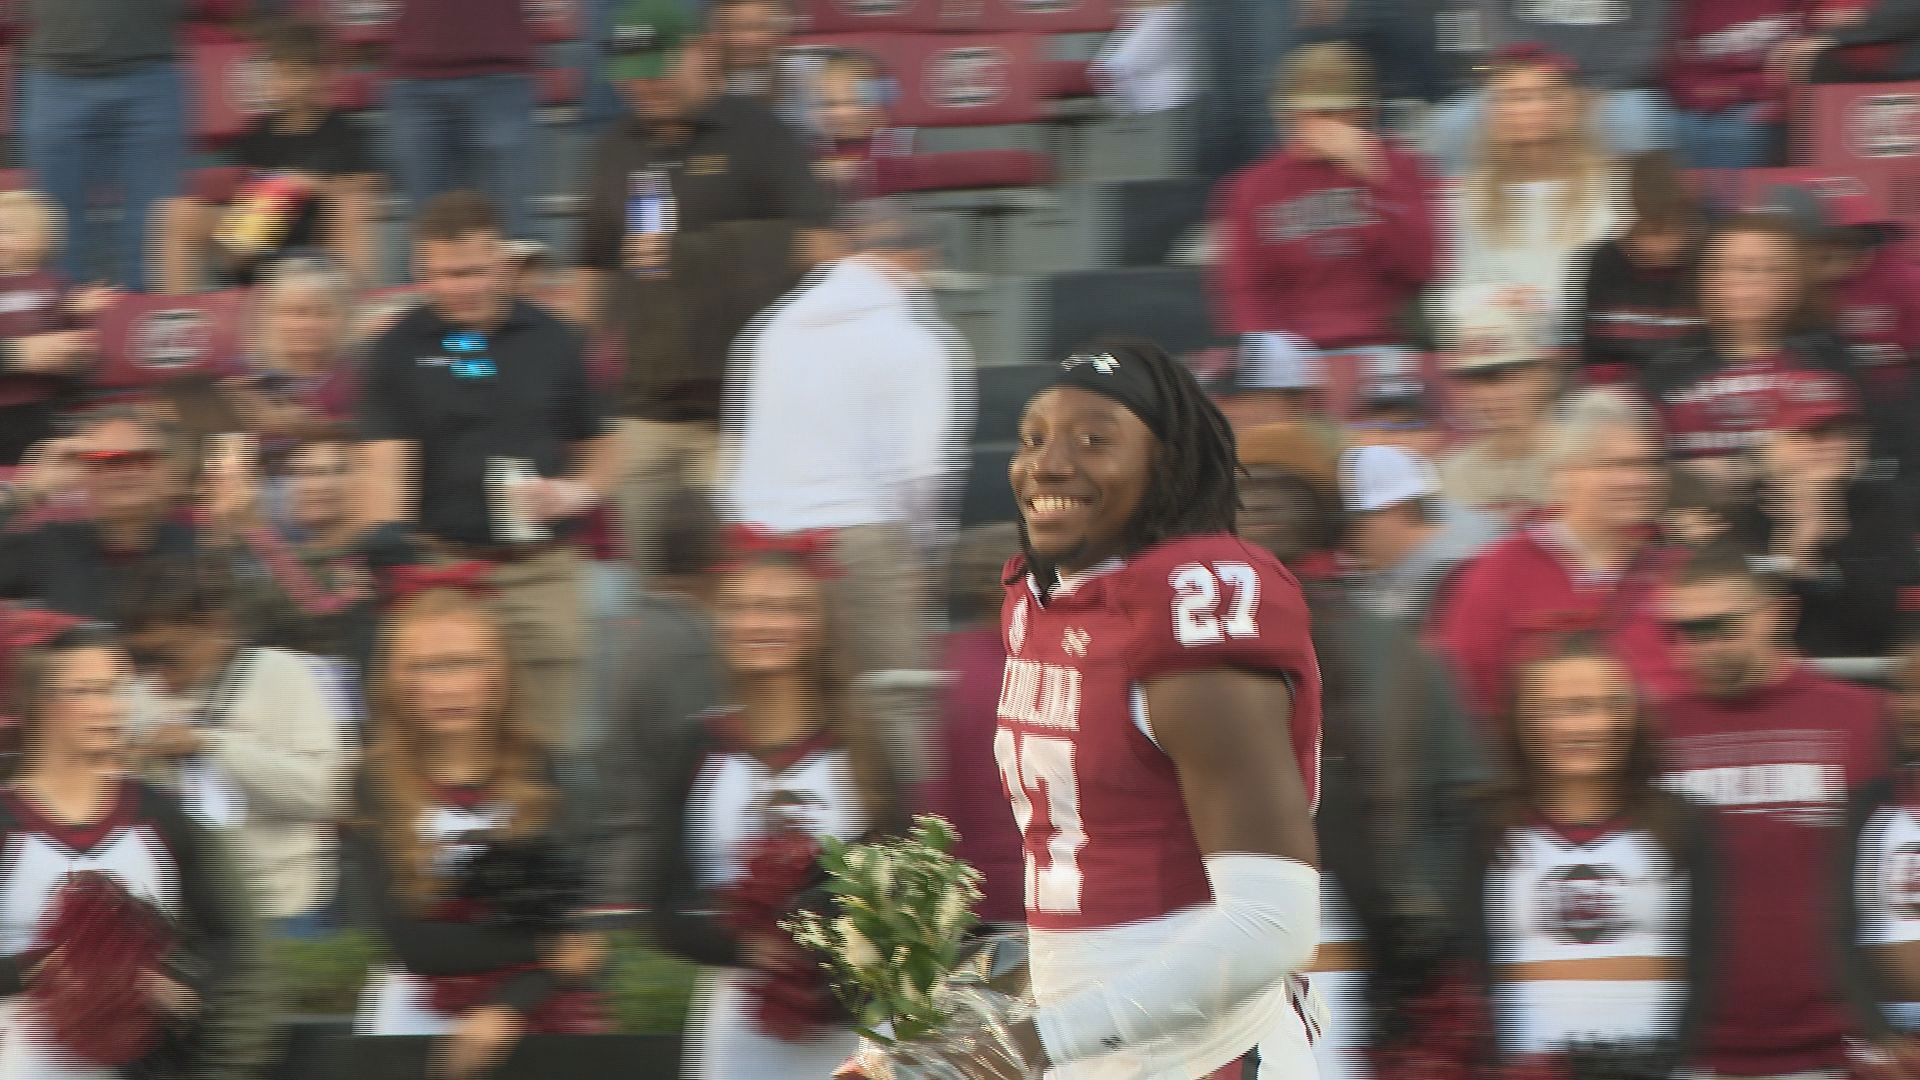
x=1105, y=828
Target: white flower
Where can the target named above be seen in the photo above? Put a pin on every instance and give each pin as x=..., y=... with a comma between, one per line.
x=882, y=875
x=858, y=951
x=952, y=910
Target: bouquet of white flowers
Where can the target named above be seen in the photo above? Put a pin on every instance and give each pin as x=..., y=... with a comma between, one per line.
x=902, y=911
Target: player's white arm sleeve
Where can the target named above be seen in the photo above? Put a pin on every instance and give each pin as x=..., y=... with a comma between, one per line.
x=1263, y=925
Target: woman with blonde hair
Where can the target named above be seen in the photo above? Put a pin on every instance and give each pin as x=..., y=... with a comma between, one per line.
x=462, y=837
x=1539, y=194
x=792, y=759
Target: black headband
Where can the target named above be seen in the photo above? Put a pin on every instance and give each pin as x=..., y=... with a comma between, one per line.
x=1118, y=370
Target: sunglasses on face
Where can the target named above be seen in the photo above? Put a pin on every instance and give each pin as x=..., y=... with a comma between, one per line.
x=118, y=459
x=1496, y=373
x=1709, y=628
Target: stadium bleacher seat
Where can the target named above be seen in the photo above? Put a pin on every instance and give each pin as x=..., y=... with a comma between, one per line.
x=146, y=340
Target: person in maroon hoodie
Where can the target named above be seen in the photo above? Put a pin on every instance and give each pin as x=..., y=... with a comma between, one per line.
x=1873, y=289
x=1333, y=234
x=1729, y=101
x=1774, y=748
x=1588, y=565
x=462, y=86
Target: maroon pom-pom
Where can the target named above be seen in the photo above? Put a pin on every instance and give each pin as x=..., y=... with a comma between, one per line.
x=792, y=1002
x=566, y=1012
x=89, y=996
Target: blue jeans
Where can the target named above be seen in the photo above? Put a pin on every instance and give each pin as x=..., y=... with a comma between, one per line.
x=1629, y=122
x=1725, y=140
x=475, y=132
x=1244, y=41
x=90, y=135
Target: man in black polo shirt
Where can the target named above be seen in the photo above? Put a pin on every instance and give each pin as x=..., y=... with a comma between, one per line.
x=484, y=433
x=702, y=210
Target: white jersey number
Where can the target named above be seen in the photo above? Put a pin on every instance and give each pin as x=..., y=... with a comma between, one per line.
x=1037, y=767
x=1196, y=603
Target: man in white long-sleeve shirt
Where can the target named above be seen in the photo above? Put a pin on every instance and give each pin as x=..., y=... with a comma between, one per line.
x=848, y=410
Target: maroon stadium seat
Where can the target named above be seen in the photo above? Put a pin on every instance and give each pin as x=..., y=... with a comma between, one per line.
x=1050, y=16
x=1067, y=79
x=147, y=340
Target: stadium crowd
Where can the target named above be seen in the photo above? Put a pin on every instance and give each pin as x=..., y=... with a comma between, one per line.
x=1599, y=479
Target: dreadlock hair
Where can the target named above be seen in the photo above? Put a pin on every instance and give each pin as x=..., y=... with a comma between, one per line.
x=1195, y=484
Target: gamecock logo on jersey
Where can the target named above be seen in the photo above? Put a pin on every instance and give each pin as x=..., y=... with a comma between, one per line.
x=247, y=86
x=1900, y=884
x=1885, y=125
x=172, y=339
x=366, y=12
x=872, y=8
x=1582, y=904
x=969, y=78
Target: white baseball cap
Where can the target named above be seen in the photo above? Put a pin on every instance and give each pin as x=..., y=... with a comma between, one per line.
x=1377, y=477
x=1279, y=362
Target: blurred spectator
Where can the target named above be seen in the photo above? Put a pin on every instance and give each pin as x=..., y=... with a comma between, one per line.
x=1538, y=194
x=1839, y=540
x=1729, y=100
x=1395, y=407
x=248, y=737
x=104, y=110
x=456, y=765
x=1588, y=563
x=749, y=36
x=303, y=151
x=1332, y=235
x=1595, y=896
x=1279, y=382
x=965, y=789
x=45, y=348
x=1774, y=748
x=485, y=434
x=460, y=97
x=1151, y=63
x=85, y=564
x=1875, y=946
x=862, y=157
x=1874, y=289
x=851, y=418
x=700, y=213
x=1241, y=40
x=1855, y=41
x=792, y=759
x=1503, y=387
x=299, y=582
x=1399, y=758
x=1615, y=51
x=1406, y=536
x=71, y=783
x=302, y=378
x=1641, y=294
x=659, y=675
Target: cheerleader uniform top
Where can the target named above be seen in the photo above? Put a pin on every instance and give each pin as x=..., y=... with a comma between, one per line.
x=158, y=854
x=1595, y=935
x=434, y=941
x=1881, y=903
x=725, y=798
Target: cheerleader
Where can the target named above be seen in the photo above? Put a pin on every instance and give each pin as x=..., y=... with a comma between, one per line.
x=789, y=761
x=1591, y=889
x=120, y=931
x=460, y=835
x=1879, y=948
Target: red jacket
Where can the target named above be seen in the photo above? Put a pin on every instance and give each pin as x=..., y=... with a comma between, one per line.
x=1522, y=590
x=1311, y=250
x=1720, y=52
x=1777, y=768
x=1877, y=313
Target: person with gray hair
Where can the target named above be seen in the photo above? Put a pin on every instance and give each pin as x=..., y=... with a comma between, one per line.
x=1588, y=564
x=848, y=410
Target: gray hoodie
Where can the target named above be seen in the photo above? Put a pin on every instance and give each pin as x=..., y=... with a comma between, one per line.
x=1405, y=592
x=1618, y=44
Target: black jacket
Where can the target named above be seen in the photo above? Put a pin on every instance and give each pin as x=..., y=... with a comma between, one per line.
x=1631, y=317
x=1851, y=605
x=64, y=566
